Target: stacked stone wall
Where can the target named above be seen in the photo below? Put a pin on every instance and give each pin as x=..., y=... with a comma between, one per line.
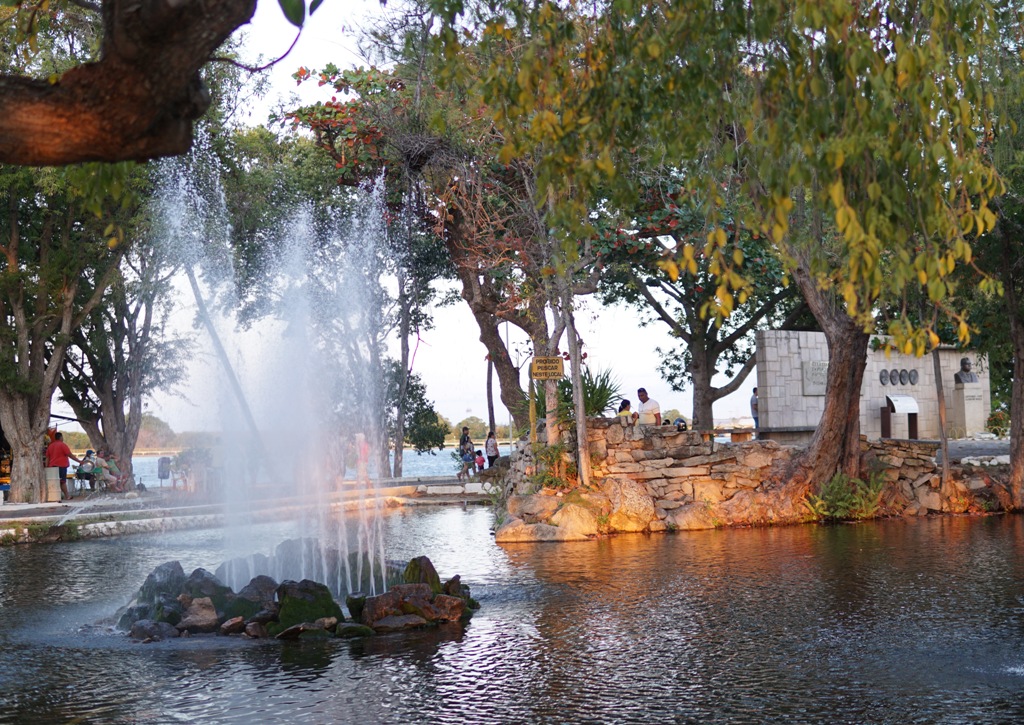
x=689, y=478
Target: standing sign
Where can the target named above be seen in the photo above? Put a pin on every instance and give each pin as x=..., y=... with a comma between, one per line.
x=546, y=368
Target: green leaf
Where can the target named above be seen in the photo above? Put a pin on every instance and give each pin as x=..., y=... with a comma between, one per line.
x=294, y=10
x=314, y=5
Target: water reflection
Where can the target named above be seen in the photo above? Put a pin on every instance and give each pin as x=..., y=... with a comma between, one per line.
x=888, y=622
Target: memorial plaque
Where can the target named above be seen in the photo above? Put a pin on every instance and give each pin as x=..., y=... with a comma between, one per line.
x=815, y=377
x=883, y=377
x=904, y=377
x=546, y=368
x=894, y=377
x=913, y=377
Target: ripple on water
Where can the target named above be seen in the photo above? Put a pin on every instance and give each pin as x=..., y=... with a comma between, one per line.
x=892, y=622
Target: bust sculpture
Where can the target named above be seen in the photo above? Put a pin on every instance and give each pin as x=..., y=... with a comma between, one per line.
x=965, y=375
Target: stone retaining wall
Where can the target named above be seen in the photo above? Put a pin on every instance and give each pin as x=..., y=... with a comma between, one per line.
x=685, y=480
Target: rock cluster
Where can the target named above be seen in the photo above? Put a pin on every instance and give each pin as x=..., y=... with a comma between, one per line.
x=657, y=478
x=911, y=475
x=170, y=604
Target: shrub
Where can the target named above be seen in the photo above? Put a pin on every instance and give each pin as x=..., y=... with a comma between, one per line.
x=999, y=423
x=843, y=498
x=601, y=394
x=554, y=469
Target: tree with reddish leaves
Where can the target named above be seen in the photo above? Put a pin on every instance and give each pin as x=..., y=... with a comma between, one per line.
x=481, y=208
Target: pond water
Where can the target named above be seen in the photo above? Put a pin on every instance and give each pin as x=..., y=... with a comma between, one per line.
x=438, y=463
x=916, y=621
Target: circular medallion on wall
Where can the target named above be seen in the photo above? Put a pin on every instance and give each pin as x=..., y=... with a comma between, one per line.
x=894, y=377
x=883, y=377
x=913, y=377
x=904, y=377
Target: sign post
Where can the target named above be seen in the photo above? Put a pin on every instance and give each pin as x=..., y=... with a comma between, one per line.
x=546, y=368
x=542, y=368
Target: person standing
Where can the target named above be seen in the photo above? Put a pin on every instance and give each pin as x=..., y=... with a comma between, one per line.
x=57, y=455
x=467, y=454
x=648, y=412
x=624, y=410
x=491, y=449
x=753, y=407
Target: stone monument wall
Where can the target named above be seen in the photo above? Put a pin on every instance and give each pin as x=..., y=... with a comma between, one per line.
x=791, y=373
x=654, y=478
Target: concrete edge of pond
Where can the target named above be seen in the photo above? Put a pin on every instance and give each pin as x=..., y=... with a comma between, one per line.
x=118, y=515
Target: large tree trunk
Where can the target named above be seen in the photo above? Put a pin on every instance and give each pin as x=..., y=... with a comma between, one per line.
x=510, y=387
x=835, y=446
x=1017, y=421
x=491, y=424
x=403, y=381
x=138, y=101
x=582, y=444
x=1013, y=312
x=701, y=372
x=25, y=421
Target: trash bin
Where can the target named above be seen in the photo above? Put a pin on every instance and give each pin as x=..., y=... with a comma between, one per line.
x=52, y=491
x=163, y=468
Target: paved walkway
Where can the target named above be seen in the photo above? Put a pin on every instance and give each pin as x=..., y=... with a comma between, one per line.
x=969, y=448
x=165, y=502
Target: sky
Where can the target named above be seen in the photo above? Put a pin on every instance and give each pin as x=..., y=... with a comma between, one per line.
x=450, y=359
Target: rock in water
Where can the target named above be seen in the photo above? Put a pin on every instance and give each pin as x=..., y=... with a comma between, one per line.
x=256, y=596
x=147, y=629
x=305, y=601
x=235, y=625
x=256, y=630
x=355, y=603
x=201, y=616
x=421, y=570
x=202, y=583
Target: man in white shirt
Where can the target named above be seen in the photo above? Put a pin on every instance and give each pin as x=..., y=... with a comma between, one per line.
x=648, y=412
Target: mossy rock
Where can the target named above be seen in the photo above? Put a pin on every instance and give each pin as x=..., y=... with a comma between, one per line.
x=350, y=630
x=202, y=583
x=420, y=570
x=355, y=603
x=239, y=607
x=167, y=609
x=167, y=578
x=305, y=601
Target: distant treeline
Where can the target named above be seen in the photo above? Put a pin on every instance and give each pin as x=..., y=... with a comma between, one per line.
x=154, y=434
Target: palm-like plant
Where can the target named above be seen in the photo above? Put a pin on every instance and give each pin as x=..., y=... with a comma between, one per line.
x=601, y=393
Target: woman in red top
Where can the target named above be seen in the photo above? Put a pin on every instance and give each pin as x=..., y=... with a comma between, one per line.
x=57, y=455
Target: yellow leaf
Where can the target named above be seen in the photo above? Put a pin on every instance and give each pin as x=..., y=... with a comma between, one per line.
x=724, y=299
x=670, y=268
x=737, y=256
x=922, y=276
x=835, y=192
x=842, y=219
